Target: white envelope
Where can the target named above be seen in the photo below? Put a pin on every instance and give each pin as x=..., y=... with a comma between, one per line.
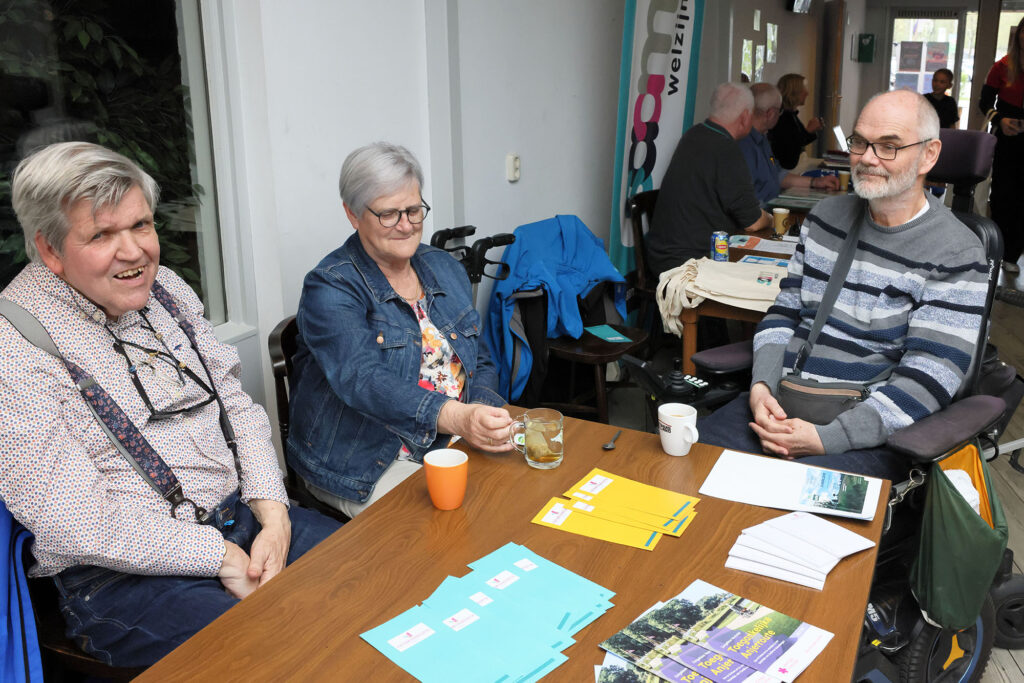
x=747, y=553
x=827, y=535
x=774, y=542
x=772, y=572
x=791, y=485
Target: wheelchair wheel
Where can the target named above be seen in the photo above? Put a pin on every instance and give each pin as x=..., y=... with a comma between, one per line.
x=1008, y=598
x=955, y=656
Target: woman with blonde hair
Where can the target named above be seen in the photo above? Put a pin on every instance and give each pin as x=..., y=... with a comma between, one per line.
x=1002, y=101
x=790, y=135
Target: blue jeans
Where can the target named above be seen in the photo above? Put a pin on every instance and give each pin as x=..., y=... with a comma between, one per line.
x=133, y=620
x=729, y=427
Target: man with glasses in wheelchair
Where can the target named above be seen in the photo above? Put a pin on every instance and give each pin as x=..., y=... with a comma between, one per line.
x=905, y=321
x=127, y=445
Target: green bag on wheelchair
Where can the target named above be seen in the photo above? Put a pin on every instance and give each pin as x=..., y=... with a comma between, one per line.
x=959, y=550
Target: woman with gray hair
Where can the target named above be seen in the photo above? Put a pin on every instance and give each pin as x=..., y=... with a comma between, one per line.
x=390, y=360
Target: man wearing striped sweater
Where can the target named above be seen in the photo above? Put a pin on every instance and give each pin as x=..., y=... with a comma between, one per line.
x=912, y=302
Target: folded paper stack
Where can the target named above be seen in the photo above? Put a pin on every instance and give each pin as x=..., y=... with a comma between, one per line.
x=618, y=509
x=509, y=619
x=798, y=547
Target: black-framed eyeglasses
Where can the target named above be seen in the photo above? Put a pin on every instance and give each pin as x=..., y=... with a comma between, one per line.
x=886, y=151
x=154, y=356
x=389, y=218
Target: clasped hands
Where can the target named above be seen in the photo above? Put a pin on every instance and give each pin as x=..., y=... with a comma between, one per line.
x=785, y=437
x=242, y=573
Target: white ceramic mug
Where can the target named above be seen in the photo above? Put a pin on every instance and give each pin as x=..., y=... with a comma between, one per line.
x=677, y=425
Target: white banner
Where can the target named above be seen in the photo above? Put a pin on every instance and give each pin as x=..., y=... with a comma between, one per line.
x=657, y=85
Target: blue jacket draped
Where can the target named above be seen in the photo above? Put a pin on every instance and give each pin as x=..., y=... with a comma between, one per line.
x=561, y=256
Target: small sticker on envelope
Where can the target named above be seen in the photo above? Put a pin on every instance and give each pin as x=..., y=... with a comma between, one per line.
x=580, y=505
x=596, y=484
x=525, y=564
x=557, y=514
x=503, y=580
x=416, y=634
x=480, y=599
x=460, y=620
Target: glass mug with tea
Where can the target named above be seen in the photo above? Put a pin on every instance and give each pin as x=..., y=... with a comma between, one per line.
x=538, y=436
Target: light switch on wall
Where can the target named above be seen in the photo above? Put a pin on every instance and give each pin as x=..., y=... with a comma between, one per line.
x=511, y=167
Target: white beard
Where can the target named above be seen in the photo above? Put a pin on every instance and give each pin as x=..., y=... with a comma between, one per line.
x=892, y=185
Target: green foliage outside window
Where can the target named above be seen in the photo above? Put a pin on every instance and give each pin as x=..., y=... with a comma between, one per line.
x=69, y=73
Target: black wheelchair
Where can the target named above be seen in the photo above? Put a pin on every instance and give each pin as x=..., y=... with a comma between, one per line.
x=898, y=642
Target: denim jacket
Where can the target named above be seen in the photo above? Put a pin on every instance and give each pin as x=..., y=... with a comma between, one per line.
x=354, y=393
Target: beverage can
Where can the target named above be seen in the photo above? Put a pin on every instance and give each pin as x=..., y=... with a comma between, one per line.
x=720, y=245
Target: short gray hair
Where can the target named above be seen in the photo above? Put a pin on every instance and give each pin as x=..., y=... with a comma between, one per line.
x=375, y=170
x=729, y=101
x=47, y=183
x=766, y=97
x=927, y=118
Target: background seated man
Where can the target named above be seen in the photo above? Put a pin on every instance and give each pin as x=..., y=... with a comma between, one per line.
x=912, y=303
x=707, y=185
x=768, y=176
x=136, y=577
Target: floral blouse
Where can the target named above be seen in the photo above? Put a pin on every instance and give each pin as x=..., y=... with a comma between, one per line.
x=440, y=367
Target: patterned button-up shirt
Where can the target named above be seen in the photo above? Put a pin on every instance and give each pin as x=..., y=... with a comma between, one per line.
x=61, y=476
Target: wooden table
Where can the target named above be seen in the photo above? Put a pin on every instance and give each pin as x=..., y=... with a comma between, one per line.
x=305, y=623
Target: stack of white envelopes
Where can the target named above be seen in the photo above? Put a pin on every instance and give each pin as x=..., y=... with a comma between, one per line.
x=799, y=547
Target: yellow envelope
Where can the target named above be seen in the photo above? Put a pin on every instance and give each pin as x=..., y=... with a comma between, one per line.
x=600, y=488
x=638, y=518
x=557, y=516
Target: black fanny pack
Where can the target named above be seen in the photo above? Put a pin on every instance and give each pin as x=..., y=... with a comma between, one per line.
x=818, y=402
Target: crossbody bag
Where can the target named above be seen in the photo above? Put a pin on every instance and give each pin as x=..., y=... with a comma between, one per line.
x=811, y=400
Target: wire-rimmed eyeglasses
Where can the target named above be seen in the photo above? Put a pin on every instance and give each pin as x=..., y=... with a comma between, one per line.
x=389, y=218
x=886, y=151
x=155, y=356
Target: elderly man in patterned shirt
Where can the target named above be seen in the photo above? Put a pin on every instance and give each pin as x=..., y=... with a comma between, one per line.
x=130, y=450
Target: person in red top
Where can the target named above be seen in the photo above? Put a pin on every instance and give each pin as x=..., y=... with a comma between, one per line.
x=1002, y=98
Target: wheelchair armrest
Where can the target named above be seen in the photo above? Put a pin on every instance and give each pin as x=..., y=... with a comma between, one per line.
x=725, y=359
x=940, y=433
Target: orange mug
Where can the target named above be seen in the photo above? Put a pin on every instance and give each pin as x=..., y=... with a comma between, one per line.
x=447, y=470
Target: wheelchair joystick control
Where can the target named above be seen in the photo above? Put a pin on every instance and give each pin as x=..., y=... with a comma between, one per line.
x=677, y=385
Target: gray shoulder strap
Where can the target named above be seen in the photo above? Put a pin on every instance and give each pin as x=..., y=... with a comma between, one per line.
x=32, y=330
x=29, y=327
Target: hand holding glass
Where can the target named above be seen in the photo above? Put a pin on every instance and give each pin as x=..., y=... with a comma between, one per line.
x=541, y=442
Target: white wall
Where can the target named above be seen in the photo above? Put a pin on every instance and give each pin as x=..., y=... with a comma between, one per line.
x=296, y=85
x=540, y=79
x=338, y=75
